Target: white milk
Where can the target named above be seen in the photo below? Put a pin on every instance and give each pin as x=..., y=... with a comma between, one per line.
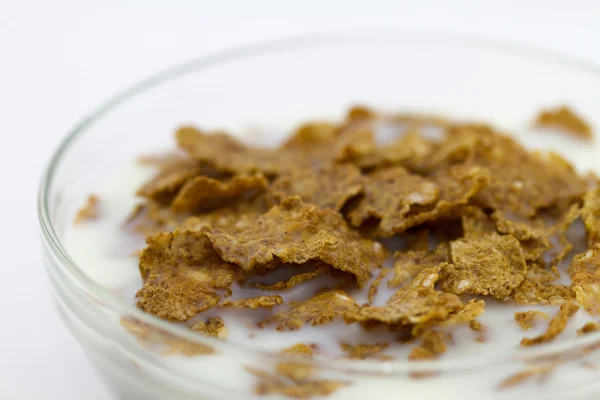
x=105, y=251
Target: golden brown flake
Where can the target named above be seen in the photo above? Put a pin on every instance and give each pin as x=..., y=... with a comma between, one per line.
x=255, y=302
x=294, y=280
x=226, y=154
x=327, y=186
x=590, y=214
x=374, y=288
x=585, y=279
x=151, y=218
x=296, y=233
x=566, y=120
x=363, y=351
x=320, y=309
x=526, y=319
x=418, y=303
x=588, y=328
x=488, y=265
x=203, y=192
x=555, y=326
x=536, y=291
x=433, y=344
x=181, y=272
x=90, y=211
x=172, y=175
x=389, y=195
x=313, y=136
x=229, y=217
x=301, y=349
x=409, y=263
x=214, y=326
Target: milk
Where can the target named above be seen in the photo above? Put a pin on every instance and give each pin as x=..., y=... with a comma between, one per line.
x=105, y=251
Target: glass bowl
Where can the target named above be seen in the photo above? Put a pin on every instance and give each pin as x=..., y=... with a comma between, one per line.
x=260, y=92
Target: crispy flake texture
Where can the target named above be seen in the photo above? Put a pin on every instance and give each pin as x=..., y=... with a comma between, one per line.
x=173, y=173
x=296, y=233
x=320, y=309
x=565, y=119
x=203, y=192
x=389, y=195
x=488, y=265
x=328, y=186
x=418, y=303
x=255, y=302
x=585, y=279
x=181, y=273
x=408, y=264
x=433, y=344
x=555, y=326
x=294, y=280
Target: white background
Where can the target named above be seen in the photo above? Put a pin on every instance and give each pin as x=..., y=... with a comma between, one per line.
x=60, y=59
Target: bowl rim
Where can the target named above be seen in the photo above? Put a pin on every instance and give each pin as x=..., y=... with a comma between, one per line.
x=436, y=38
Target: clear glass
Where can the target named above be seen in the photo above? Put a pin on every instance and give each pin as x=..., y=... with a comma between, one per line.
x=274, y=86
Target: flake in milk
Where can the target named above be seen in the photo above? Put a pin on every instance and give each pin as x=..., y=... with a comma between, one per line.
x=320, y=309
x=226, y=154
x=374, y=287
x=555, y=327
x=90, y=211
x=388, y=197
x=417, y=303
x=327, y=186
x=267, y=302
x=487, y=265
x=408, y=264
x=295, y=280
x=433, y=344
x=295, y=233
x=590, y=327
x=213, y=326
x=585, y=279
x=564, y=119
x=181, y=273
x=362, y=351
x=527, y=319
x=590, y=214
x=172, y=174
x=204, y=193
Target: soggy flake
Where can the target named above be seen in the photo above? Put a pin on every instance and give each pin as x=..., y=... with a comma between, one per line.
x=226, y=154
x=255, y=302
x=564, y=119
x=408, y=264
x=590, y=327
x=203, y=193
x=151, y=218
x=389, y=195
x=585, y=279
x=363, y=351
x=540, y=373
x=487, y=265
x=555, y=326
x=328, y=186
x=172, y=175
x=214, y=326
x=433, y=344
x=305, y=389
x=418, y=303
x=320, y=309
x=296, y=233
x=590, y=214
x=181, y=273
x=471, y=310
x=526, y=319
x=374, y=288
x=300, y=349
x=166, y=343
x=90, y=211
